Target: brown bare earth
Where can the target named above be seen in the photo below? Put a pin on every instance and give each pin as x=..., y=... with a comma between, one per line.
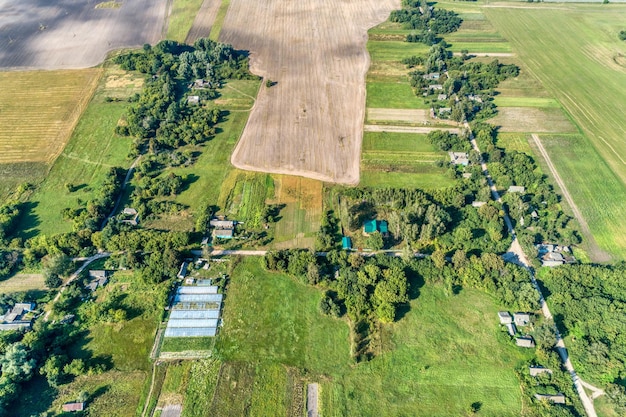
x=40, y=34
x=412, y=116
x=310, y=123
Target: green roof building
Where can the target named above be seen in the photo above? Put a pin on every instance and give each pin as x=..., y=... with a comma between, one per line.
x=372, y=226
x=346, y=243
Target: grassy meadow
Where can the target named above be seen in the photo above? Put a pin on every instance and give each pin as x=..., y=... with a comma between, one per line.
x=574, y=51
x=401, y=160
x=91, y=151
x=442, y=355
x=51, y=102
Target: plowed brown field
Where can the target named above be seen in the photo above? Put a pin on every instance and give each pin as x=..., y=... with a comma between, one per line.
x=310, y=123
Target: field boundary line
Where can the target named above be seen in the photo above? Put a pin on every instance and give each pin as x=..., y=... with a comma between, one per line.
x=600, y=255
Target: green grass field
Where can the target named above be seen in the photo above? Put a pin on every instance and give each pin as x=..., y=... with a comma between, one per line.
x=91, y=151
x=394, y=50
x=577, y=56
x=542, y=102
x=444, y=354
x=596, y=190
x=181, y=18
x=401, y=160
x=392, y=95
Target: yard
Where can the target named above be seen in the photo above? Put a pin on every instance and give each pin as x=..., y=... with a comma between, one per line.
x=444, y=354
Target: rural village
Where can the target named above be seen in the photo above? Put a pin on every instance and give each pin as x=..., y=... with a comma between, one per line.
x=355, y=208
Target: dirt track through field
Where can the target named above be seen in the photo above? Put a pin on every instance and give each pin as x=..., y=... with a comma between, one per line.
x=310, y=123
x=204, y=20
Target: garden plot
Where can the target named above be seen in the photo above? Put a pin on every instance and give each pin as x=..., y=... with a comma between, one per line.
x=43, y=35
x=310, y=122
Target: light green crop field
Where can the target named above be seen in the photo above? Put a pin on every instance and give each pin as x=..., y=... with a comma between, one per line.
x=515, y=142
x=443, y=355
x=576, y=54
x=596, y=190
x=91, y=151
x=401, y=160
x=394, y=50
x=219, y=20
x=392, y=95
x=181, y=18
x=506, y=101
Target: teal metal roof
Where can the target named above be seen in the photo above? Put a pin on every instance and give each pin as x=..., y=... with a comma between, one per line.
x=346, y=243
x=382, y=227
x=370, y=226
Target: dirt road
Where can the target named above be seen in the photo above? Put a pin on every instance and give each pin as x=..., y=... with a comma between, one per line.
x=596, y=253
x=310, y=122
x=521, y=259
x=312, y=400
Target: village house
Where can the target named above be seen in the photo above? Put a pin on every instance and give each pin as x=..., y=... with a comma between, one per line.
x=73, y=407
x=372, y=226
x=131, y=216
x=554, y=399
x=193, y=100
x=505, y=317
x=538, y=370
x=222, y=228
x=19, y=317
x=442, y=96
x=97, y=278
x=431, y=76
x=554, y=255
x=516, y=189
x=459, y=158
x=525, y=342
x=521, y=319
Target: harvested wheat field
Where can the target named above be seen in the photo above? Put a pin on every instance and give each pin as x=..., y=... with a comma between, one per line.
x=310, y=122
x=38, y=111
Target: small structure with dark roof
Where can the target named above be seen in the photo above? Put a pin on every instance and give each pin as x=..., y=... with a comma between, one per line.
x=521, y=319
x=72, y=407
x=525, y=342
x=554, y=399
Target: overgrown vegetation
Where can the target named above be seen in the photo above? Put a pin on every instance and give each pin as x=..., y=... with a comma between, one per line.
x=425, y=20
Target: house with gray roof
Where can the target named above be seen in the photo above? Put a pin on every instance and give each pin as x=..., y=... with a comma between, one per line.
x=19, y=317
x=525, y=342
x=459, y=158
x=505, y=317
x=554, y=399
x=521, y=319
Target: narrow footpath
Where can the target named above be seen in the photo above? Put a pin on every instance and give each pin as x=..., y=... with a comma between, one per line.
x=516, y=248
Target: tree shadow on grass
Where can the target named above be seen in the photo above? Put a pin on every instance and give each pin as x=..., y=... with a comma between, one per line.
x=28, y=220
x=415, y=281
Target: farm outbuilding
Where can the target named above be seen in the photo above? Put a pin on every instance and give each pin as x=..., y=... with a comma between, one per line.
x=554, y=399
x=72, y=407
x=538, y=370
x=521, y=319
x=346, y=243
x=526, y=342
x=372, y=226
x=505, y=317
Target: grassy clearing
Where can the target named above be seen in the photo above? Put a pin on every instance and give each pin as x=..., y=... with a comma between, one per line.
x=243, y=196
x=200, y=388
x=394, y=50
x=541, y=102
x=219, y=20
x=514, y=142
x=444, y=354
x=301, y=214
x=181, y=344
x=576, y=54
x=22, y=282
x=85, y=160
x=401, y=160
x=271, y=318
x=596, y=190
x=181, y=18
x=38, y=110
x=533, y=119
x=392, y=95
